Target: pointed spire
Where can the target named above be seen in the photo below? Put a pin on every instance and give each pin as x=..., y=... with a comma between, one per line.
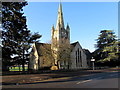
x=53, y=27
x=60, y=21
x=60, y=8
x=67, y=27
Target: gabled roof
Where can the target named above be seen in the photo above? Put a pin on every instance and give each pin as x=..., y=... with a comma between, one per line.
x=74, y=44
x=38, y=45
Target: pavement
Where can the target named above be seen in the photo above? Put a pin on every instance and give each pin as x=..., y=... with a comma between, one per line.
x=104, y=80
x=36, y=78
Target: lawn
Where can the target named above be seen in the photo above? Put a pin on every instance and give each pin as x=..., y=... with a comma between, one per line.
x=17, y=68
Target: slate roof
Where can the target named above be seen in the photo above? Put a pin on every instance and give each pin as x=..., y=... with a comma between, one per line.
x=38, y=45
x=74, y=44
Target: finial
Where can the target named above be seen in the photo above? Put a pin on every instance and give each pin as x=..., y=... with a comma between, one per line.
x=67, y=24
x=53, y=27
x=60, y=1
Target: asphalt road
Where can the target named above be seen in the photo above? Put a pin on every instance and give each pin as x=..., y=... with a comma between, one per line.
x=98, y=80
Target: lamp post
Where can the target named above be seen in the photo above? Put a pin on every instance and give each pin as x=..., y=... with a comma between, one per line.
x=93, y=65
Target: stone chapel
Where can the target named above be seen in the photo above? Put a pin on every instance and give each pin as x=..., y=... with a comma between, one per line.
x=60, y=52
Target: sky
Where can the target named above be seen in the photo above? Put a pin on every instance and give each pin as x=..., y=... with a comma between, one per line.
x=86, y=20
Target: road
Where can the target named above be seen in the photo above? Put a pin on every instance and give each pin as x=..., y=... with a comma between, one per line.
x=98, y=80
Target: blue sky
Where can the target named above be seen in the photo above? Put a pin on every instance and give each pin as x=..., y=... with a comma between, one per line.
x=86, y=19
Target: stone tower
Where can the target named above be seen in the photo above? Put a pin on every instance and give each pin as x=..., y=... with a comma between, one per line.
x=60, y=34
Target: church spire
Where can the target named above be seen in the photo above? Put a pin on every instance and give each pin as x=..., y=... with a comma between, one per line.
x=60, y=21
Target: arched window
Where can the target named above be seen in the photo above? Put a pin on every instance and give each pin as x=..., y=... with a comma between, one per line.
x=76, y=58
x=80, y=59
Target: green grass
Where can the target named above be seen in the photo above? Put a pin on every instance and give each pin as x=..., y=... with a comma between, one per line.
x=17, y=68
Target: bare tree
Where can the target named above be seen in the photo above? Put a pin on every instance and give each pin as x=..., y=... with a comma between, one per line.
x=61, y=52
x=46, y=55
x=57, y=53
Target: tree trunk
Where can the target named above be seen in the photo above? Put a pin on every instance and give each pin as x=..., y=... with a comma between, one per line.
x=23, y=62
x=23, y=67
x=58, y=64
x=5, y=68
x=19, y=67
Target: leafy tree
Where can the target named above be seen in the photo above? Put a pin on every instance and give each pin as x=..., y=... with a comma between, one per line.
x=16, y=37
x=107, y=47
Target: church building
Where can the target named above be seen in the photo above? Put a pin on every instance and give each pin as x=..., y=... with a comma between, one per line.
x=60, y=52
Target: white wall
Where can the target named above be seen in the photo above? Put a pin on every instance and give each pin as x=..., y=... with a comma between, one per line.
x=73, y=58
x=33, y=62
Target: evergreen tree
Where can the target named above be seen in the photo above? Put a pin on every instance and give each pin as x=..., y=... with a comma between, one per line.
x=107, y=47
x=16, y=37
x=12, y=22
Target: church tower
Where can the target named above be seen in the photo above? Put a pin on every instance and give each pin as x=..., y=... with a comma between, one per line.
x=60, y=34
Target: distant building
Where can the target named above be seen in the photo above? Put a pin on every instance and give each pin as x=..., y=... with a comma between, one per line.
x=60, y=52
x=89, y=57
